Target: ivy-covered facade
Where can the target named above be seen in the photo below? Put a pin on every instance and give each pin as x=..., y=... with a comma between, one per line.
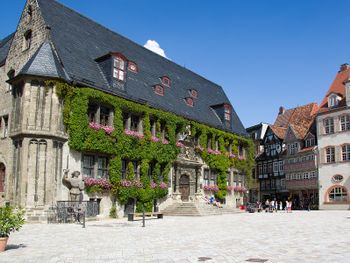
x=142, y=131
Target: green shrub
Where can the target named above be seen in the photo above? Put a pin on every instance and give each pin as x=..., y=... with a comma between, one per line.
x=11, y=220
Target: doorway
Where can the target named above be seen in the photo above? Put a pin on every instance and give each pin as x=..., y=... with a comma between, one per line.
x=2, y=177
x=184, y=187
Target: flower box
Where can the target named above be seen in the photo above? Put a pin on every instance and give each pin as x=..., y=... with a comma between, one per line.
x=211, y=188
x=215, y=152
x=134, y=134
x=97, y=126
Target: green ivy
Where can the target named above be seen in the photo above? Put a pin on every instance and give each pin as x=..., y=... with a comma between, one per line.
x=121, y=146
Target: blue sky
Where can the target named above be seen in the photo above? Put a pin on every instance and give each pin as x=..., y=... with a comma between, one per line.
x=265, y=54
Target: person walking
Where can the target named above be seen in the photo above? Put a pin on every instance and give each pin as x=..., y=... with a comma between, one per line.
x=280, y=205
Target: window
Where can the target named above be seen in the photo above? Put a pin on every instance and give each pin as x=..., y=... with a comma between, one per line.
x=344, y=123
x=332, y=101
x=159, y=90
x=346, y=152
x=240, y=151
x=330, y=155
x=329, y=126
x=102, y=167
x=212, y=177
x=275, y=167
x=313, y=174
x=281, y=166
x=194, y=93
x=88, y=165
x=264, y=168
x=306, y=175
x=337, y=178
x=10, y=75
x=153, y=126
x=189, y=102
x=136, y=169
x=4, y=126
x=166, y=81
x=293, y=148
x=119, y=69
x=338, y=194
x=135, y=121
x=227, y=109
x=2, y=177
x=100, y=114
x=260, y=171
x=206, y=176
x=95, y=166
x=132, y=67
x=124, y=167
x=27, y=40
x=309, y=142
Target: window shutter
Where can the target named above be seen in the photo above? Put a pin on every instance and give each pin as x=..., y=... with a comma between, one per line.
x=338, y=153
x=323, y=155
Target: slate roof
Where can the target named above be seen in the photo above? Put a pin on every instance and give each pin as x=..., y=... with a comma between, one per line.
x=44, y=63
x=4, y=47
x=79, y=41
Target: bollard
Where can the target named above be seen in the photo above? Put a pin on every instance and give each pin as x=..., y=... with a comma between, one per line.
x=143, y=217
x=84, y=220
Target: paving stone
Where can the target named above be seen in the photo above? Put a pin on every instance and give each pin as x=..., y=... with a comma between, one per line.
x=317, y=236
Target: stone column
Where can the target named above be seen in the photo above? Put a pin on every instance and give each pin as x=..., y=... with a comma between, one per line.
x=198, y=189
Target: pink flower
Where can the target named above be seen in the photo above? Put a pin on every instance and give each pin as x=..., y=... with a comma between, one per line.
x=180, y=145
x=153, y=185
x=101, y=182
x=212, y=188
x=155, y=139
x=97, y=126
x=134, y=133
x=240, y=157
x=215, y=152
x=165, y=141
x=163, y=185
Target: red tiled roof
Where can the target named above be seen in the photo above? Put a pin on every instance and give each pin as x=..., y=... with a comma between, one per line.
x=279, y=131
x=337, y=87
x=300, y=119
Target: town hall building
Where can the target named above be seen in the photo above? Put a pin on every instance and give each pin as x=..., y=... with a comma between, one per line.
x=141, y=130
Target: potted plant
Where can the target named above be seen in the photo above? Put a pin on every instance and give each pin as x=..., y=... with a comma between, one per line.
x=11, y=220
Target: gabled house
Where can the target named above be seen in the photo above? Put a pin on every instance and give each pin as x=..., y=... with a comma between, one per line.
x=333, y=135
x=76, y=96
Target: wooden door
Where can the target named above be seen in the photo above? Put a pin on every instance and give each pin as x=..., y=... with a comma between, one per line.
x=2, y=177
x=184, y=187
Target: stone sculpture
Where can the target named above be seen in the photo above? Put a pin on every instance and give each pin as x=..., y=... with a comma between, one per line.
x=75, y=184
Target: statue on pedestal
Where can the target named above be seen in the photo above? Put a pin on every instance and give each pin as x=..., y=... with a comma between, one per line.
x=75, y=184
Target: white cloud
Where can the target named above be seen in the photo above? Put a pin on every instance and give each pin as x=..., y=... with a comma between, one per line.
x=154, y=46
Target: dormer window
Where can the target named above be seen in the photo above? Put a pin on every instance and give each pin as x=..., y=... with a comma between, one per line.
x=227, y=112
x=333, y=100
x=159, y=90
x=189, y=102
x=166, y=81
x=119, y=69
x=27, y=40
x=132, y=67
x=30, y=12
x=194, y=93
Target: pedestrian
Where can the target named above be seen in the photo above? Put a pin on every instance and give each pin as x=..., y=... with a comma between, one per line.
x=272, y=207
x=280, y=205
x=267, y=205
x=286, y=207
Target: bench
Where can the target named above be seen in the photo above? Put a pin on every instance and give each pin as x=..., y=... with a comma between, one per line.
x=151, y=215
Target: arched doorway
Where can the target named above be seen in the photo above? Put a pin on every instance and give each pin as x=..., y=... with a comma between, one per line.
x=2, y=177
x=184, y=187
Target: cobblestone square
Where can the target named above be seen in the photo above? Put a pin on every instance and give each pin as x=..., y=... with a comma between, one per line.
x=316, y=236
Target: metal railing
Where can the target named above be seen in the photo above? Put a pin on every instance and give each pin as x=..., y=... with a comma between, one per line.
x=71, y=211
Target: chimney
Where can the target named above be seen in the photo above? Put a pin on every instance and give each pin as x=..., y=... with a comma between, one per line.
x=282, y=110
x=344, y=67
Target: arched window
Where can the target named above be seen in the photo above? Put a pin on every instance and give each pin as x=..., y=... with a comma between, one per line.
x=166, y=81
x=27, y=40
x=119, y=68
x=189, y=101
x=159, y=90
x=338, y=194
x=10, y=75
x=2, y=177
x=337, y=178
x=132, y=67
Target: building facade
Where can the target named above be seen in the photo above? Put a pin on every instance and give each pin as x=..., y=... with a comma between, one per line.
x=257, y=134
x=333, y=133
x=139, y=128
